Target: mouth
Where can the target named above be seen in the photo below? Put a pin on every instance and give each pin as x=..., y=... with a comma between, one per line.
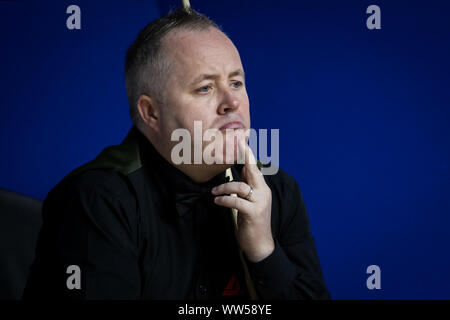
x=232, y=125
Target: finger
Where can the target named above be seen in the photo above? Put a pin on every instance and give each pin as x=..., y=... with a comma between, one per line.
x=242, y=205
x=240, y=188
x=252, y=173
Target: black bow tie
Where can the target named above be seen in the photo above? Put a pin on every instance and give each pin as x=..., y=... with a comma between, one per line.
x=185, y=201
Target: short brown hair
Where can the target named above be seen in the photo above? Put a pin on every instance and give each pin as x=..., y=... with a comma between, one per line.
x=145, y=66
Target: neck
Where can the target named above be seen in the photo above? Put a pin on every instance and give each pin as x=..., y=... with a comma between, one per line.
x=198, y=173
x=201, y=172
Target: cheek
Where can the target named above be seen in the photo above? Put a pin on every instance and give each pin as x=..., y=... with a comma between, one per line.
x=176, y=115
x=194, y=110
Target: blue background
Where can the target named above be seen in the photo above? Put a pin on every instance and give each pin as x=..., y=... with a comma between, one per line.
x=363, y=117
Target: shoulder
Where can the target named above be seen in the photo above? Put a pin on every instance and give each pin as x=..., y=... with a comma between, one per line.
x=90, y=186
x=282, y=184
x=98, y=179
x=100, y=198
x=289, y=215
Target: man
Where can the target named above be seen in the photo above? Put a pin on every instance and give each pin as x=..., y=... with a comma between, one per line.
x=132, y=224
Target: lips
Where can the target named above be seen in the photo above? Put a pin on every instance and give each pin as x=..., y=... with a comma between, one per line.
x=232, y=125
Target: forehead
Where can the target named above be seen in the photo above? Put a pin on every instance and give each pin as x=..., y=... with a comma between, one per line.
x=194, y=52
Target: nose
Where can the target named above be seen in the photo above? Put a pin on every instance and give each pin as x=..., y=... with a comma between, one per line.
x=228, y=102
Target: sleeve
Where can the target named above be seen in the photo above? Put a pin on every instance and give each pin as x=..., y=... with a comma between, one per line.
x=87, y=246
x=292, y=270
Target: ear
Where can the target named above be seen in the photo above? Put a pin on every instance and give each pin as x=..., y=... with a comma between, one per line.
x=149, y=111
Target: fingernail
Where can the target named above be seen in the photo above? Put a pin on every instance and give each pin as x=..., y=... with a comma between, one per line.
x=214, y=190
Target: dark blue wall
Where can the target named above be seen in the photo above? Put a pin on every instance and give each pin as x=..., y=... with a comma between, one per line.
x=363, y=117
x=63, y=92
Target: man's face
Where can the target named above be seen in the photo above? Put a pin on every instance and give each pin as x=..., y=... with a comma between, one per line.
x=206, y=83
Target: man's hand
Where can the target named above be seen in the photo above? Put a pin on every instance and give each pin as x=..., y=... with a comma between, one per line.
x=253, y=220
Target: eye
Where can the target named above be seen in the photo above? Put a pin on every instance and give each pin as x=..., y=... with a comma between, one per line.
x=204, y=89
x=237, y=84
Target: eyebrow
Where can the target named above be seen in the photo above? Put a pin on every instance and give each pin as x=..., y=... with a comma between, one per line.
x=238, y=72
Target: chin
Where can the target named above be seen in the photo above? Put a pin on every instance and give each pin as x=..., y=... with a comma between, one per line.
x=226, y=151
x=231, y=153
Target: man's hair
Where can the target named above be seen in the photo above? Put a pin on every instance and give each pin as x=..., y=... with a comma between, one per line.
x=146, y=67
